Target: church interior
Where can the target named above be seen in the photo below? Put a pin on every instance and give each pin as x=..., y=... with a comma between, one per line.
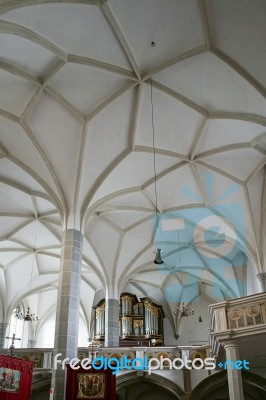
x=133, y=192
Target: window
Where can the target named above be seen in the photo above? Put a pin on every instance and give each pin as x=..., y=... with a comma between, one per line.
x=16, y=326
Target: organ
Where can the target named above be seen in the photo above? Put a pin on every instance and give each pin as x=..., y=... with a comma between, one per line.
x=140, y=321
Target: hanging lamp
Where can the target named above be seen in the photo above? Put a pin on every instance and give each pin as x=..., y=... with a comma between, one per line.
x=158, y=252
x=28, y=316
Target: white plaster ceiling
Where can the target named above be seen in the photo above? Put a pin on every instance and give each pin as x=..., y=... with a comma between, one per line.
x=77, y=147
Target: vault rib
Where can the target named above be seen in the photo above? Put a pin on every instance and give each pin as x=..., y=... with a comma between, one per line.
x=135, y=117
x=74, y=59
x=109, y=100
x=200, y=182
x=48, y=163
x=241, y=116
x=197, y=139
x=19, y=30
x=65, y=103
x=239, y=69
x=189, y=103
x=176, y=59
x=119, y=34
x=258, y=168
x=9, y=115
x=80, y=166
x=7, y=5
x=223, y=149
x=162, y=152
x=14, y=70
x=221, y=172
x=52, y=196
x=102, y=178
x=205, y=22
x=164, y=173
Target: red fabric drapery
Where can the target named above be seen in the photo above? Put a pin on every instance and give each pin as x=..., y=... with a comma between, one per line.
x=90, y=384
x=15, y=378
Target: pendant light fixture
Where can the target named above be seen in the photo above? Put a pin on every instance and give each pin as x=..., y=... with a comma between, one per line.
x=183, y=311
x=158, y=256
x=200, y=318
x=29, y=317
x=158, y=252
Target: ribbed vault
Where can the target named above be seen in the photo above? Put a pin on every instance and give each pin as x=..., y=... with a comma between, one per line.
x=77, y=150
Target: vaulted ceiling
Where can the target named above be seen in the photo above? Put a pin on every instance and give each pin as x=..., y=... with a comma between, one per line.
x=76, y=106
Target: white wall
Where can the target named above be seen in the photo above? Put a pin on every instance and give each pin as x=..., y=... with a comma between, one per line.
x=253, y=284
x=169, y=334
x=83, y=339
x=190, y=330
x=99, y=295
x=45, y=336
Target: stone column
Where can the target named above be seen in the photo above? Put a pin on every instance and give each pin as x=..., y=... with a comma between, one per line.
x=187, y=383
x=186, y=375
x=68, y=304
x=3, y=326
x=262, y=278
x=233, y=375
x=47, y=359
x=111, y=323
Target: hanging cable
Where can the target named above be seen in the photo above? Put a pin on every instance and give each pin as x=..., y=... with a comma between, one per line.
x=154, y=156
x=158, y=252
x=28, y=316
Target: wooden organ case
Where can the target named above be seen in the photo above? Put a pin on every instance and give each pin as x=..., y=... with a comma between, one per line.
x=140, y=321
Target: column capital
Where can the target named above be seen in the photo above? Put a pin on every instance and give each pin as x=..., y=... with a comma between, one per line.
x=232, y=344
x=73, y=221
x=73, y=234
x=112, y=292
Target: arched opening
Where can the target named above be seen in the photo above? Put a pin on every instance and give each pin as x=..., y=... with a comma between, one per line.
x=215, y=387
x=147, y=387
x=41, y=384
x=17, y=327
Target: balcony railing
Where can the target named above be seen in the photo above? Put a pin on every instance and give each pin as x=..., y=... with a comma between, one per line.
x=237, y=318
x=43, y=358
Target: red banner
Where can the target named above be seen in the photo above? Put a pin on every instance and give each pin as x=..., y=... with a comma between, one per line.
x=90, y=384
x=15, y=378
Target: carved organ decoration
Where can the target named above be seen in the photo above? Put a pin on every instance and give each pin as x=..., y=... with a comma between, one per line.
x=100, y=319
x=139, y=320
